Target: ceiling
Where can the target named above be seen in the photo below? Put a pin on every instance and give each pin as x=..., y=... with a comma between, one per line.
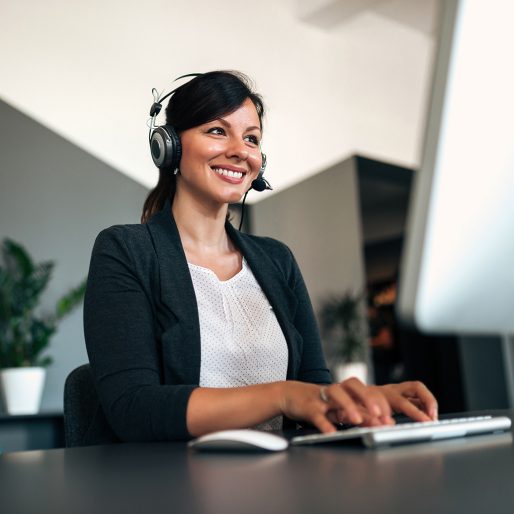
x=337, y=76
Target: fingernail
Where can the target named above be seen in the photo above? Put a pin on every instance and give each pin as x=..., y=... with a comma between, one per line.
x=388, y=420
x=377, y=411
x=356, y=418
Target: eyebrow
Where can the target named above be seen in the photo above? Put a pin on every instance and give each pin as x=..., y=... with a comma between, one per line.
x=227, y=124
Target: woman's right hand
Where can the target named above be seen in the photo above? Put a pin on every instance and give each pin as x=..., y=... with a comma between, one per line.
x=350, y=401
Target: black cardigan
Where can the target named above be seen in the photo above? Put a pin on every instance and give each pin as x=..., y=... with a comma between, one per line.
x=142, y=329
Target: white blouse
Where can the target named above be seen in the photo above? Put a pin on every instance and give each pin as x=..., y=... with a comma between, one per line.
x=241, y=340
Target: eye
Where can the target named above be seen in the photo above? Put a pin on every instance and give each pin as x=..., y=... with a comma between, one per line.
x=253, y=139
x=218, y=131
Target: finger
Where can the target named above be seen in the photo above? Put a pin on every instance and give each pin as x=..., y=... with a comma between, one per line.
x=340, y=399
x=321, y=422
x=339, y=416
x=371, y=397
x=371, y=421
x=422, y=393
x=418, y=403
x=405, y=406
x=374, y=421
x=335, y=417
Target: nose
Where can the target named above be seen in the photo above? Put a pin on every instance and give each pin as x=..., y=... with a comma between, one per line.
x=237, y=148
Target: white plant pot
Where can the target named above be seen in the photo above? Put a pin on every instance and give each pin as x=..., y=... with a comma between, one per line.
x=22, y=388
x=351, y=369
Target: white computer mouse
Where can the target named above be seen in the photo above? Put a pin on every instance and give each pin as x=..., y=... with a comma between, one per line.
x=240, y=440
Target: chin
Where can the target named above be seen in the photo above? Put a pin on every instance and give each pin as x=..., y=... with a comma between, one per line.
x=232, y=196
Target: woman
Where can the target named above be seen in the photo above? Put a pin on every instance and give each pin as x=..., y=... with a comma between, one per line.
x=192, y=326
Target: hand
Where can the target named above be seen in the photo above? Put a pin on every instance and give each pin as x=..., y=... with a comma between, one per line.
x=412, y=399
x=350, y=401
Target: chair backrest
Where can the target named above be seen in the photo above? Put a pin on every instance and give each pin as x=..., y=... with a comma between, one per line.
x=84, y=420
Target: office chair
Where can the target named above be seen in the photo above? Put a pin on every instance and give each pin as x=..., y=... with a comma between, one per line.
x=84, y=420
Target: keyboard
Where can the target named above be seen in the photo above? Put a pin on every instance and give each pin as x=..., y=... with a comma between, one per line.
x=374, y=437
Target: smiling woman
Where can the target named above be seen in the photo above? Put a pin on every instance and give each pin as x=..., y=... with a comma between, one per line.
x=192, y=326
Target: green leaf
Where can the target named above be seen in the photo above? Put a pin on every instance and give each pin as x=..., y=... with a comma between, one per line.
x=342, y=326
x=44, y=362
x=5, y=294
x=16, y=258
x=71, y=300
x=41, y=332
x=23, y=335
x=26, y=292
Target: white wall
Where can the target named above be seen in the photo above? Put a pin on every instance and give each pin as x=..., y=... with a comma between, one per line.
x=387, y=87
x=319, y=220
x=86, y=69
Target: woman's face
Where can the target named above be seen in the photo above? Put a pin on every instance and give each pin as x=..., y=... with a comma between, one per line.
x=220, y=159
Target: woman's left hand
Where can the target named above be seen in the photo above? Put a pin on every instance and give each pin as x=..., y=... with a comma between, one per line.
x=412, y=399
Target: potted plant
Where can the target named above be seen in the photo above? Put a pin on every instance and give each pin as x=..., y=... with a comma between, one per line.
x=344, y=334
x=25, y=334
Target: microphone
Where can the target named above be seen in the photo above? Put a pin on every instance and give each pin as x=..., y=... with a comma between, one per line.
x=261, y=184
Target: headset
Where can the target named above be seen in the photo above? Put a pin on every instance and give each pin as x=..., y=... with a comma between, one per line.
x=165, y=146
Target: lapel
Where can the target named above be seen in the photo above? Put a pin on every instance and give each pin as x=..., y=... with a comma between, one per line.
x=177, y=292
x=266, y=272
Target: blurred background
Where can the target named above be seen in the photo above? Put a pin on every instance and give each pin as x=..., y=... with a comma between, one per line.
x=346, y=84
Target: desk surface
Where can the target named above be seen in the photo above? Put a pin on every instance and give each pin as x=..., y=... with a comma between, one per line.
x=473, y=475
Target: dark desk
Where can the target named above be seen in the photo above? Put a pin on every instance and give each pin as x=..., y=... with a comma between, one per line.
x=473, y=475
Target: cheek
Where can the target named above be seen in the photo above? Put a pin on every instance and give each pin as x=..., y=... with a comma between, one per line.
x=255, y=161
x=212, y=149
x=200, y=152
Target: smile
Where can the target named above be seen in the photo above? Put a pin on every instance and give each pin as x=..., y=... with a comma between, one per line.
x=228, y=173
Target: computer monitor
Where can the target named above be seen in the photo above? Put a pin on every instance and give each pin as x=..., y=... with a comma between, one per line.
x=457, y=272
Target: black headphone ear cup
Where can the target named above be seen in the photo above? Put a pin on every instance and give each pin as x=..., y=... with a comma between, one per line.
x=165, y=148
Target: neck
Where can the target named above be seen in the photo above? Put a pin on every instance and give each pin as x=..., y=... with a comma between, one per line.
x=200, y=226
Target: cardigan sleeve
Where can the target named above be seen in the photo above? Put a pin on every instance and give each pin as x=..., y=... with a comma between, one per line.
x=123, y=351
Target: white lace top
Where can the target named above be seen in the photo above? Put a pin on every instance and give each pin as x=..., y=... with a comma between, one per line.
x=241, y=340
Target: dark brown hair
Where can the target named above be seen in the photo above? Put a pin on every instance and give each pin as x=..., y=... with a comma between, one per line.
x=202, y=99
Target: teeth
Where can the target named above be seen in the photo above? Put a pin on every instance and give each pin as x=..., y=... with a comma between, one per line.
x=228, y=173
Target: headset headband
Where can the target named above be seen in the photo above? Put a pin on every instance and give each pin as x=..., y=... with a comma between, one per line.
x=165, y=146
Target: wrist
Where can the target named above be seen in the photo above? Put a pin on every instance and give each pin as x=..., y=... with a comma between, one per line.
x=279, y=394
x=384, y=389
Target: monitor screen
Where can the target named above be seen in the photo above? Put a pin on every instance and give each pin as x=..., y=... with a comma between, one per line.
x=457, y=273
